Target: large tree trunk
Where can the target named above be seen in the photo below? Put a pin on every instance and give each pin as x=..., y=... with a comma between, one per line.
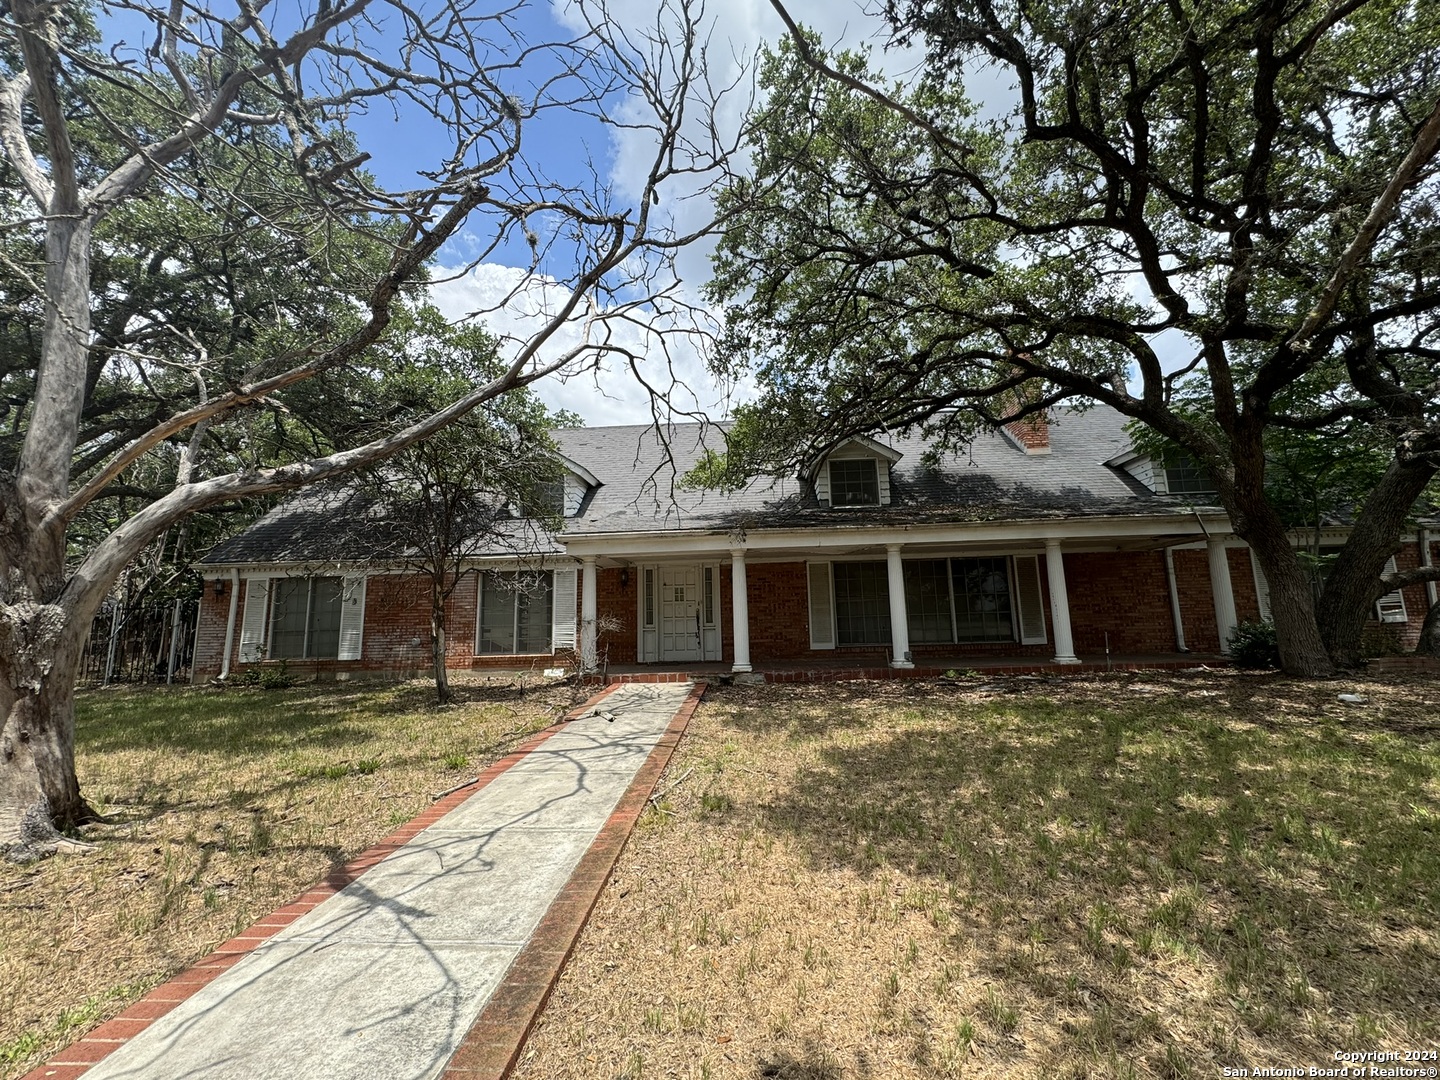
x=40, y=650
x=437, y=650
x=42, y=634
x=1353, y=584
x=1429, y=643
x=1292, y=604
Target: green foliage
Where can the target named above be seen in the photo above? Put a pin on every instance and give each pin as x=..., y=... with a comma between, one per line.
x=277, y=677
x=1168, y=220
x=1253, y=645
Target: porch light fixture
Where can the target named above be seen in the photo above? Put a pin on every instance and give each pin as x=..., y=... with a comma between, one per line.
x=219, y=586
x=624, y=577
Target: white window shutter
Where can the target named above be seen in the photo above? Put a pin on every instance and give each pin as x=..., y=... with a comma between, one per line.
x=352, y=616
x=1390, y=608
x=1029, y=600
x=1262, y=588
x=562, y=623
x=254, y=624
x=822, y=607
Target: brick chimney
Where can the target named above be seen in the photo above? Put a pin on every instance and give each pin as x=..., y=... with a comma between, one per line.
x=1031, y=434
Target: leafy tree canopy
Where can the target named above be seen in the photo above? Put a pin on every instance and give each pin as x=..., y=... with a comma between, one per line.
x=1218, y=218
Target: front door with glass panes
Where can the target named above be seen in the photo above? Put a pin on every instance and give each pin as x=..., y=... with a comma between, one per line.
x=680, y=626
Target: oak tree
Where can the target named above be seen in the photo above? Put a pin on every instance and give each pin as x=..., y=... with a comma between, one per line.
x=1217, y=218
x=265, y=117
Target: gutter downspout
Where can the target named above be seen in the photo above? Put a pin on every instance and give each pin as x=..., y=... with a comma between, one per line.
x=1426, y=560
x=230, y=622
x=1175, y=599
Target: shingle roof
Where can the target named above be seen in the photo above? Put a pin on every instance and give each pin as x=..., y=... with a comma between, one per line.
x=640, y=471
x=333, y=523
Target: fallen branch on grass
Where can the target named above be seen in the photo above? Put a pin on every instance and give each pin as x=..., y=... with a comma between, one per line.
x=458, y=787
x=658, y=795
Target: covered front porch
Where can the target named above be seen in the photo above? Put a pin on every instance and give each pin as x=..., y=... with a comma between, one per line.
x=1094, y=593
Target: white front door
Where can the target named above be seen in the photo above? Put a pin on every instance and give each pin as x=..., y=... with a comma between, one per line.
x=679, y=613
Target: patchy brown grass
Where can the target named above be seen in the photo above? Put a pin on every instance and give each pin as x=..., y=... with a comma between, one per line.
x=1128, y=876
x=227, y=803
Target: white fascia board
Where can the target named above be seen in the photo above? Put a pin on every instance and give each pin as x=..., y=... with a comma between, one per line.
x=874, y=446
x=1124, y=458
x=579, y=470
x=547, y=559
x=306, y=569
x=1089, y=529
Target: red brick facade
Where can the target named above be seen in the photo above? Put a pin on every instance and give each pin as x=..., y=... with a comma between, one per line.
x=1119, y=599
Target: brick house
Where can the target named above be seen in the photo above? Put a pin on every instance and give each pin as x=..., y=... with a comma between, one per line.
x=1050, y=540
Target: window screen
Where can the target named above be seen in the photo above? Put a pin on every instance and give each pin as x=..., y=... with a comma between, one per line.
x=515, y=613
x=305, y=619
x=927, y=600
x=854, y=483
x=982, y=600
x=862, y=603
x=1184, y=476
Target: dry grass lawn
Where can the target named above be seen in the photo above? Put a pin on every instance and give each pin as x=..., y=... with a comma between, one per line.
x=1127, y=876
x=228, y=803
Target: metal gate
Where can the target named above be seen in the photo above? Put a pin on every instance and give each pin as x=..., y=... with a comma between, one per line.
x=149, y=642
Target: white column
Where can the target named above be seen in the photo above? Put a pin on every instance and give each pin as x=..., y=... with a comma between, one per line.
x=587, y=613
x=1175, y=615
x=1221, y=589
x=1059, y=604
x=229, y=623
x=899, y=618
x=740, y=604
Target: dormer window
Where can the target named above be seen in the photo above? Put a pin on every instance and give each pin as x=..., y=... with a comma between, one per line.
x=1184, y=475
x=854, y=482
x=544, y=499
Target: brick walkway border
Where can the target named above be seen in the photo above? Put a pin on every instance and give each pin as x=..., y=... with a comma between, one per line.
x=492, y=1047
x=79, y=1057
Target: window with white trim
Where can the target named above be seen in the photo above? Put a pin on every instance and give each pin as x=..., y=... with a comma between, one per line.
x=862, y=603
x=515, y=612
x=305, y=618
x=854, y=482
x=1185, y=476
x=954, y=601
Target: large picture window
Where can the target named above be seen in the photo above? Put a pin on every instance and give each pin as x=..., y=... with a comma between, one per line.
x=515, y=612
x=927, y=601
x=305, y=618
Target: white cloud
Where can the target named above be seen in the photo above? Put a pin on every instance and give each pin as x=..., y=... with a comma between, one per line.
x=514, y=305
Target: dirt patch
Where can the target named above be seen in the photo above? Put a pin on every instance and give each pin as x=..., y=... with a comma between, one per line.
x=1135, y=875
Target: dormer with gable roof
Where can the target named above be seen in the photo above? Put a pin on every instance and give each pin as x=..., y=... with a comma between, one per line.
x=855, y=473
x=579, y=482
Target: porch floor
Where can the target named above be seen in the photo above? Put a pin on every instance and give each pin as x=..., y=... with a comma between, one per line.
x=841, y=669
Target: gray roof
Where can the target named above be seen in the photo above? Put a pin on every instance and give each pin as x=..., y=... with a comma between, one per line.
x=640, y=469
x=333, y=523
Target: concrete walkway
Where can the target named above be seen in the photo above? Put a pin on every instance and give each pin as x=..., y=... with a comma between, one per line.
x=385, y=978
